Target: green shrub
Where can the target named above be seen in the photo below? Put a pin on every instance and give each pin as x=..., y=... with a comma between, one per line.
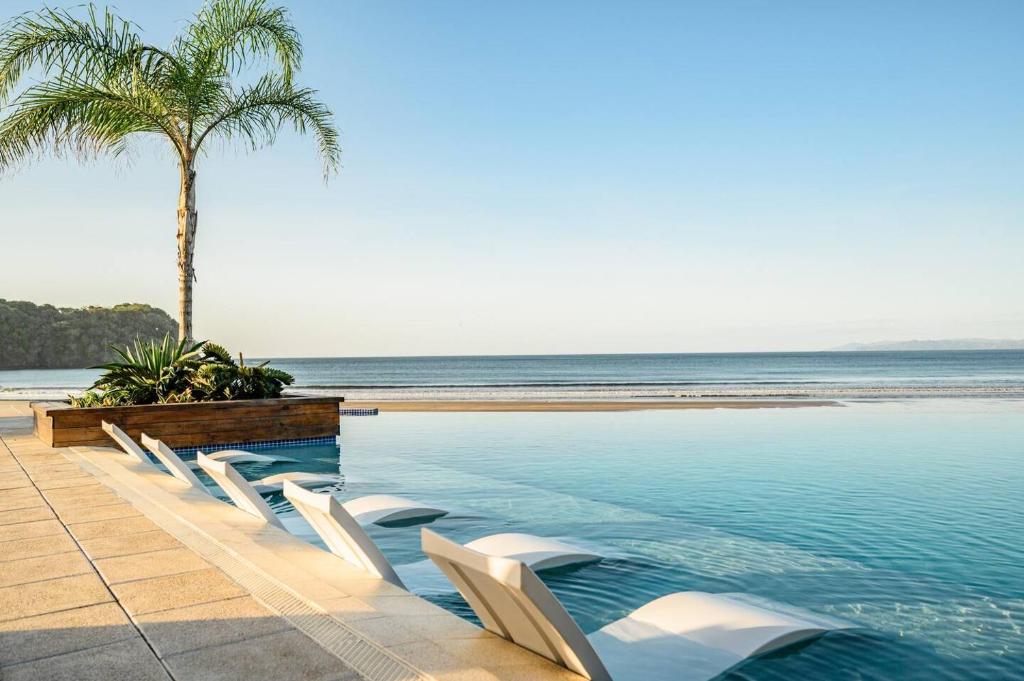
x=160, y=373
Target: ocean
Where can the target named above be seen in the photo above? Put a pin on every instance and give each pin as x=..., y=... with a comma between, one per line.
x=837, y=375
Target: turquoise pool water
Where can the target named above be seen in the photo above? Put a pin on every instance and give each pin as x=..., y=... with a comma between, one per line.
x=906, y=518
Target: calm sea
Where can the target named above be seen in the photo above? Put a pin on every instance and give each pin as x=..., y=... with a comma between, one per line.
x=984, y=373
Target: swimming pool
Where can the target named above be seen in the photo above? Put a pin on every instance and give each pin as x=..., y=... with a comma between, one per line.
x=906, y=518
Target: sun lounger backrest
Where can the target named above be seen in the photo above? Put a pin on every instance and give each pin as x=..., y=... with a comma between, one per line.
x=513, y=603
x=170, y=459
x=125, y=442
x=340, y=531
x=237, y=488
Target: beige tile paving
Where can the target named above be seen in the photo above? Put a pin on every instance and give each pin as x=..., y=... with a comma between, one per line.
x=36, y=546
x=89, y=514
x=110, y=528
x=208, y=624
x=14, y=481
x=140, y=566
x=63, y=632
x=285, y=656
x=88, y=499
x=32, y=528
x=91, y=590
x=17, y=499
x=66, y=483
x=130, y=660
x=176, y=591
x=80, y=492
x=23, y=514
x=43, y=567
x=81, y=498
x=63, y=593
x=126, y=545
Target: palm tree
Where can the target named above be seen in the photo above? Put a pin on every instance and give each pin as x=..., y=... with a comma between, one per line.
x=101, y=86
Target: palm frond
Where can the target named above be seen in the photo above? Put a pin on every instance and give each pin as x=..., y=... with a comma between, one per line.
x=257, y=113
x=101, y=83
x=69, y=116
x=56, y=41
x=227, y=34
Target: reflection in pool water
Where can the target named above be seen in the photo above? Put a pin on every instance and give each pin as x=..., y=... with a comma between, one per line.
x=906, y=518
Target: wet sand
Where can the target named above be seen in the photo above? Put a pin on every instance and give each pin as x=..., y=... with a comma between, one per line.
x=579, y=405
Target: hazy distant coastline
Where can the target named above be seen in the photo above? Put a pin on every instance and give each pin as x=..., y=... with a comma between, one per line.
x=940, y=344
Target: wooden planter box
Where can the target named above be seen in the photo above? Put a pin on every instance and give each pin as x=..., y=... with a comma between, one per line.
x=190, y=424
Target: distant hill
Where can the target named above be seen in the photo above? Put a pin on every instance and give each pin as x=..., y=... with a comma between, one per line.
x=47, y=337
x=944, y=344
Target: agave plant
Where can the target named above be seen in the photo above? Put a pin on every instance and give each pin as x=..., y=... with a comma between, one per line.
x=150, y=373
x=153, y=373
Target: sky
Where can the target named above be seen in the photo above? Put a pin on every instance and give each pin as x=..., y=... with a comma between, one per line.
x=579, y=177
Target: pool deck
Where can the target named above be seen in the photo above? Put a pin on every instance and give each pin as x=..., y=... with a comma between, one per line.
x=111, y=569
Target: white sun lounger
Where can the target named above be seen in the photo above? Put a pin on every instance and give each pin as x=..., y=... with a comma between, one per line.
x=387, y=508
x=237, y=456
x=274, y=483
x=126, y=443
x=343, y=535
x=690, y=636
x=540, y=553
x=238, y=489
x=175, y=466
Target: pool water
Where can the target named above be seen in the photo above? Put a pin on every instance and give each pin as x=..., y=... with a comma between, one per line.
x=906, y=518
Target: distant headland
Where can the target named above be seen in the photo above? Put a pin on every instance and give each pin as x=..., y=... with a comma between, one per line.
x=47, y=337
x=941, y=344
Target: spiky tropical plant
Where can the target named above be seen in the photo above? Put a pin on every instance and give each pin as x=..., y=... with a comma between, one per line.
x=148, y=373
x=155, y=373
x=102, y=85
x=221, y=378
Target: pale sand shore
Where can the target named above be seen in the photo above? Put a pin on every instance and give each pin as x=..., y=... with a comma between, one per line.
x=535, y=405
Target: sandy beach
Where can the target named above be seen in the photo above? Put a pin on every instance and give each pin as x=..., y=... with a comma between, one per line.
x=567, y=406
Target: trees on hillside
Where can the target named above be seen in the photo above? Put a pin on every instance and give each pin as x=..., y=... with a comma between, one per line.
x=43, y=336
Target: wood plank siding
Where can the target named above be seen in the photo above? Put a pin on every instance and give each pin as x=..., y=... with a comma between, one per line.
x=190, y=424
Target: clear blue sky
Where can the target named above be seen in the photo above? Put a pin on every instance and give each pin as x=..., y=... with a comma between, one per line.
x=530, y=177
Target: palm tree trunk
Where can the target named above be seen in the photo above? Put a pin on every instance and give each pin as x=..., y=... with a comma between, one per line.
x=187, y=218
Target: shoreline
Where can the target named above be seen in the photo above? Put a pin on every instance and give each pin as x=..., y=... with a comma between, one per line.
x=575, y=405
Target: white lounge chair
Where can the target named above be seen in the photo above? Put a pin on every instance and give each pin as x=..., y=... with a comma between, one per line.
x=274, y=483
x=126, y=443
x=690, y=636
x=382, y=509
x=237, y=456
x=175, y=466
x=238, y=489
x=340, y=531
x=345, y=537
x=540, y=553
